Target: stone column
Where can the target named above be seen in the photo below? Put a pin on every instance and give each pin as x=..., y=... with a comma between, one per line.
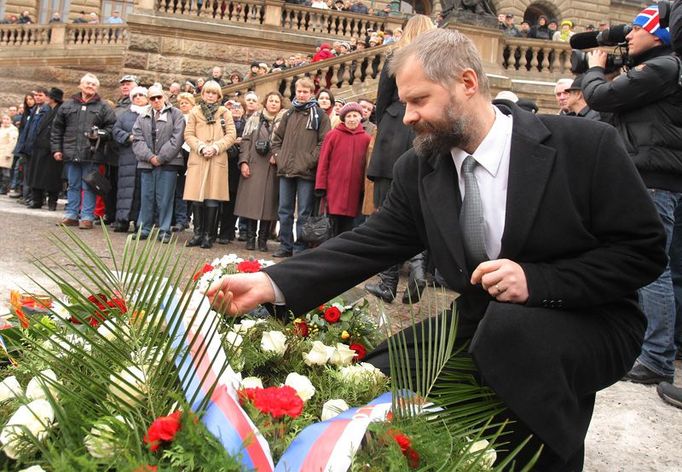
x=58, y=34
x=273, y=13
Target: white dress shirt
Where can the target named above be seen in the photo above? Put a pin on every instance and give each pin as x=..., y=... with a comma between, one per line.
x=491, y=175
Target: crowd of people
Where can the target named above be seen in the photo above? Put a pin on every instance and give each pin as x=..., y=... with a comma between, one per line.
x=544, y=28
x=91, y=18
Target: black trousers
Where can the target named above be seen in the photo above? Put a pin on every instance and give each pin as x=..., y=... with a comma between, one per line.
x=546, y=366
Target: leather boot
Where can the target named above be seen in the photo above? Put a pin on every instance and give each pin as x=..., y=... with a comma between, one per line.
x=210, y=222
x=227, y=219
x=417, y=279
x=263, y=233
x=198, y=222
x=251, y=235
x=387, y=287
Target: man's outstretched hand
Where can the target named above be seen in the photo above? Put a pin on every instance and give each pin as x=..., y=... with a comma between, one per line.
x=238, y=294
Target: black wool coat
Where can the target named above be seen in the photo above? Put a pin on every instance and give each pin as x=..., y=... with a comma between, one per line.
x=45, y=172
x=580, y=223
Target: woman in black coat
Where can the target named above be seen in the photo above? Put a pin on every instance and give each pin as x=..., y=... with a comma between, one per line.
x=393, y=139
x=128, y=193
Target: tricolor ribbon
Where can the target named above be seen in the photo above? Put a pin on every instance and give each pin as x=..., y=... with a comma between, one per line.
x=200, y=362
x=329, y=446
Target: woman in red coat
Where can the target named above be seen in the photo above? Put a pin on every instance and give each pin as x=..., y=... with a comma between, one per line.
x=341, y=168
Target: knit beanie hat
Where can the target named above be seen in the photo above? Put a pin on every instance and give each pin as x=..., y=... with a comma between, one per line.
x=138, y=90
x=649, y=21
x=348, y=107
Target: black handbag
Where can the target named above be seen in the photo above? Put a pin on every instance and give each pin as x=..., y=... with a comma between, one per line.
x=99, y=184
x=317, y=229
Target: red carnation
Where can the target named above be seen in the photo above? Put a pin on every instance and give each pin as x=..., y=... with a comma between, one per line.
x=278, y=401
x=360, y=351
x=301, y=328
x=202, y=271
x=163, y=429
x=247, y=395
x=246, y=267
x=332, y=314
x=402, y=439
x=119, y=304
x=99, y=300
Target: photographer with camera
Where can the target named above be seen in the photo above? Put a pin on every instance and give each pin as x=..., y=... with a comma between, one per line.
x=80, y=129
x=646, y=103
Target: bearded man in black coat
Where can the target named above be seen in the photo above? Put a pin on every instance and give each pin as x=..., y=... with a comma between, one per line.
x=568, y=235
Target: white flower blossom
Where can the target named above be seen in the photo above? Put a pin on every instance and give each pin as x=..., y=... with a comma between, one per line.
x=234, y=342
x=246, y=325
x=129, y=384
x=101, y=443
x=319, y=354
x=33, y=468
x=108, y=330
x=489, y=456
x=361, y=372
x=274, y=341
x=332, y=408
x=9, y=389
x=67, y=343
x=302, y=384
x=35, y=418
x=342, y=355
x=251, y=382
x=39, y=385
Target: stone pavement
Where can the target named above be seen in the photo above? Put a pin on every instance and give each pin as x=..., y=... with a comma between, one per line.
x=632, y=429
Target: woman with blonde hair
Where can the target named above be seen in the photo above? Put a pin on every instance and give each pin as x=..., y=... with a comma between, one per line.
x=393, y=138
x=209, y=133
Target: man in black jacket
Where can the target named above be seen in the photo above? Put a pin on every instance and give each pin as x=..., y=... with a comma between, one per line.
x=554, y=235
x=646, y=103
x=80, y=129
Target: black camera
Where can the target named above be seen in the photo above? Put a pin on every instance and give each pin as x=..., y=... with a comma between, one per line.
x=263, y=147
x=614, y=36
x=95, y=133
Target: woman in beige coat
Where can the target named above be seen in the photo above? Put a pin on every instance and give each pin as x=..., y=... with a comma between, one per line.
x=8, y=139
x=209, y=133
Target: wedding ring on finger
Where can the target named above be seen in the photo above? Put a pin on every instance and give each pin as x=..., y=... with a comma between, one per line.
x=500, y=290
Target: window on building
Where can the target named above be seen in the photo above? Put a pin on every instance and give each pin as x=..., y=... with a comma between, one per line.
x=124, y=7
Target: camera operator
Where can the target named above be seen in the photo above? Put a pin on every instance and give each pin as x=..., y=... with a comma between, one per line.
x=79, y=131
x=646, y=103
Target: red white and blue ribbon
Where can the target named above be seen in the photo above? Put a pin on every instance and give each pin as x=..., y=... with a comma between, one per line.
x=329, y=446
x=200, y=363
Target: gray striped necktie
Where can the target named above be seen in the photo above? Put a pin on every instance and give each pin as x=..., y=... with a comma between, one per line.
x=471, y=218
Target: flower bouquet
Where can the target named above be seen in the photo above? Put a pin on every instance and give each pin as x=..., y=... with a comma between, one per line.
x=131, y=370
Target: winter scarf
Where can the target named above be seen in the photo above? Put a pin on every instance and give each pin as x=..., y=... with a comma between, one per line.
x=313, y=112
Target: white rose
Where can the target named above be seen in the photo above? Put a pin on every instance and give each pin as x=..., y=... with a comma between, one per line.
x=361, y=372
x=108, y=330
x=489, y=456
x=319, y=354
x=332, y=408
x=101, y=442
x=302, y=384
x=129, y=384
x=33, y=468
x=36, y=418
x=251, y=382
x=245, y=326
x=36, y=388
x=342, y=355
x=274, y=341
x=234, y=341
x=9, y=389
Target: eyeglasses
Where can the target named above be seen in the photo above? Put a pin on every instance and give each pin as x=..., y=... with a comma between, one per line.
x=158, y=97
x=139, y=95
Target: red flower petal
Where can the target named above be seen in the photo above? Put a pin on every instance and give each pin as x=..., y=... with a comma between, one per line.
x=332, y=314
x=163, y=428
x=207, y=268
x=360, y=351
x=246, y=267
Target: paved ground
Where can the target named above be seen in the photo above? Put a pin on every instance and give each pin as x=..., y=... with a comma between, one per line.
x=632, y=429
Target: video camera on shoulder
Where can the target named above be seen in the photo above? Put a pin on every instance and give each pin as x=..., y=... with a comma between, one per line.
x=95, y=133
x=614, y=36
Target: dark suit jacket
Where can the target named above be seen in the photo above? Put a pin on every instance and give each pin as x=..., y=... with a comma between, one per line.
x=578, y=220
x=45, y=173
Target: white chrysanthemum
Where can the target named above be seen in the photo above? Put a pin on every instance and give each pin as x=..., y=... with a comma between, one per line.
x=332, y=408
x=302, y=384
x=40, y=384
x=274, y=341
x=35, y=418
x=101, y=443
x=342, y=355
x=129, y=384
x=319, y=354
x=9, y=389
x=251, y=382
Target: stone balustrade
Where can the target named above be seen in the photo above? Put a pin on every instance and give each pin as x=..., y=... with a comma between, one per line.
x=84, y=35
x=250, y=12
x=534, y=57
x=24, y=35
x=62, y=35
x=355, y=73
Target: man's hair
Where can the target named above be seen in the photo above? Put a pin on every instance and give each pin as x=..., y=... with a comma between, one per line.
x=567, y=82
x=212, y=86
x=443, y=54
x=306, y=82
x=91, y=77
x=365, y=99
x=42, y=90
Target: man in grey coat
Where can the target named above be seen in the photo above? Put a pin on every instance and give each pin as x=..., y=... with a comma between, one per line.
x=157, y=139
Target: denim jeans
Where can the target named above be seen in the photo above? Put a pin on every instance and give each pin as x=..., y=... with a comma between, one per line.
x=658, y=299
x=75, y=205
x=293, y=190
x=157, y=189
x=676, y=271
x=16, y=178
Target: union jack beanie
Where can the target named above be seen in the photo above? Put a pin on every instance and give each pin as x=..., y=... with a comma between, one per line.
x=648, y=20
